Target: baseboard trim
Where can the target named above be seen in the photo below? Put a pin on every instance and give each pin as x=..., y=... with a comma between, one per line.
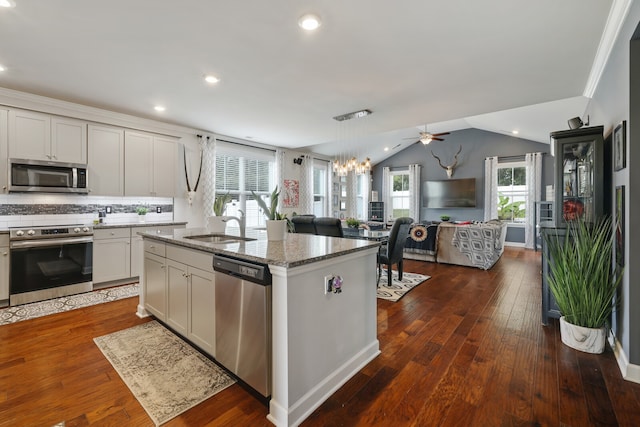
x=629, y=371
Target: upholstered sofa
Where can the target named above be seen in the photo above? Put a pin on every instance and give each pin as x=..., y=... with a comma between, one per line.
x=478, y=244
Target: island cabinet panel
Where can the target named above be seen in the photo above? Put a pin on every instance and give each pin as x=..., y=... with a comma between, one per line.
x=155, y=285
x=38, y=136
x=177, y=296
x=201, y=314
x=4, y=268
x=4, y=183
x=111, y=255
x=106, y=160
x=149, y=164
x=137, y=247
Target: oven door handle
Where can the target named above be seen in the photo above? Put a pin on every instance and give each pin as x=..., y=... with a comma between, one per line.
x=49, y=242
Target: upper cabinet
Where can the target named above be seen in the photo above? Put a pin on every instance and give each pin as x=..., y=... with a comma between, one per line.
x=150, y=164
x=38, y=136
x=106, y=160
x=4, y=186
x=578, y=174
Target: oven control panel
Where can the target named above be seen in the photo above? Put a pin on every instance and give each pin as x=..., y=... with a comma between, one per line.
x=49, y=232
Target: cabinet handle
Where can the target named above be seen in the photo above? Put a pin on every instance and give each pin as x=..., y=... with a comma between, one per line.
x=162, y=266
x=5, y=253
x=152, y=247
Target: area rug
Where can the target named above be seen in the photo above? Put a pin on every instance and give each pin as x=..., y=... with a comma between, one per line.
x=32, y=310
x=398, y=288
x=163, y=372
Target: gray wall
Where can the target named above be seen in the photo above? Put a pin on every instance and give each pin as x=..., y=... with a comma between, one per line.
x=617, y=98
x=476, y=146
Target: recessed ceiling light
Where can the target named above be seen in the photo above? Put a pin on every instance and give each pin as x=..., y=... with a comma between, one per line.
x=309, y=22
x=159, y=108
x=515, y=132
x=2, y=68
x=386, y=148
x=7, y=3
x=209, y=78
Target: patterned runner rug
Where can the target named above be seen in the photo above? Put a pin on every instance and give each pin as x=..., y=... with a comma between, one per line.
x=32, y=310
x=398, y=288
x=163, y=372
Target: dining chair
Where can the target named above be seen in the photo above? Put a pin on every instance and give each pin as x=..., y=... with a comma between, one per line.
x=328, y=226
x=393, y=251
x=304, y=224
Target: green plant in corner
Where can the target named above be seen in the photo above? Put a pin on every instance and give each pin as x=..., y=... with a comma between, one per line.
x=582, y=278
x=142, y=210
x=445, y=217
x=220, y=203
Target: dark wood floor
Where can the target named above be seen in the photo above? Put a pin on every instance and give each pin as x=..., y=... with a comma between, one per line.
x=465, y=348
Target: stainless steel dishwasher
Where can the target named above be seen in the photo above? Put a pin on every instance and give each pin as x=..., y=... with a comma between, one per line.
x=243, y=320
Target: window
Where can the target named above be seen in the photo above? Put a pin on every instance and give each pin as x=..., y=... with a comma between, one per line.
x=320, y=188
x=512, y=192
x=240, y=171
x=400, y=197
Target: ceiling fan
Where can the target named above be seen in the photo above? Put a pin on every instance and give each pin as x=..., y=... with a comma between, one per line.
x=427, y=137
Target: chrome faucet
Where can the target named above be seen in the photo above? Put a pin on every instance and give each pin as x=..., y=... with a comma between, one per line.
x=241, y=222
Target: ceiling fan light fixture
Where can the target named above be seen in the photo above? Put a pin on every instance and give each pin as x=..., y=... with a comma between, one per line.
x=426, y=139
x=7, y=3
x=309, y=22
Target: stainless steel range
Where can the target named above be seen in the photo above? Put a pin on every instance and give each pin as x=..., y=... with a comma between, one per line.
x=49, y=262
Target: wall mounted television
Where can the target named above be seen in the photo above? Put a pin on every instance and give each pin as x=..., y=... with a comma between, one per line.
x=450, y=193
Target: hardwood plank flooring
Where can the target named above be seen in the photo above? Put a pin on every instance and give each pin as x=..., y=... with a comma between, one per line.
x=465, y=348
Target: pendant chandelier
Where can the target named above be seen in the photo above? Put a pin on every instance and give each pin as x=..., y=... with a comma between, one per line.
x=344, y=165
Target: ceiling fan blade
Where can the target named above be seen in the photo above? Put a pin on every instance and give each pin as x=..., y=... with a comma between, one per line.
x=437, y=139
x=440, y=134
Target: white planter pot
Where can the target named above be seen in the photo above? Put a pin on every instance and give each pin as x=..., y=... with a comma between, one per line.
x=276, y=229
x=217, y=224
x=142, y=218
x=589, y=340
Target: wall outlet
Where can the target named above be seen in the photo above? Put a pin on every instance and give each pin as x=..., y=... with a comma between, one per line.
x=107, y=209
x=328, y=284
x=158, y=209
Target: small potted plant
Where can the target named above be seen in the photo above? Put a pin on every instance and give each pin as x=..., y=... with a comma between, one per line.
x=277, y=223
x=583, y=281
x=142, y=213
x=352, y=223
x=445, y=218
x=216, y=223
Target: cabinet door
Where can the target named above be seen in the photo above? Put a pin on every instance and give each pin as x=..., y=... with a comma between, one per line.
x=106, y=160
x=164, y=161
x=202, y=331
x=138, y=154
x=68, y=140
x=155, y=289
x=137, y=254
x=177, y=296
x=4, y=273
x=111, y=259
x=29, y=135
x=4, y=186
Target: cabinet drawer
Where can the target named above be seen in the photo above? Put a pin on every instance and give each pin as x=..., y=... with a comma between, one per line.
x=112, y=233
x=4, y=240
x=191, y=257
x=155, y=247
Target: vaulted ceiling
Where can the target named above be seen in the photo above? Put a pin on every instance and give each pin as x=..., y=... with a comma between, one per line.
x=498, y=65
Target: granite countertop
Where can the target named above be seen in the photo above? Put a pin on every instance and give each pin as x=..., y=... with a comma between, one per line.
x=298, y=249
x=137, y=224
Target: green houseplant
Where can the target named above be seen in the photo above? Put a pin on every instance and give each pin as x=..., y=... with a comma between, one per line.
x=583, y=281
x=277, y=223
x=142, y=212
x=352, y=223
x=220, y=203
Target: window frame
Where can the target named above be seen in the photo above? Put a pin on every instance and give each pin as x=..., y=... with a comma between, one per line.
x=523, y=193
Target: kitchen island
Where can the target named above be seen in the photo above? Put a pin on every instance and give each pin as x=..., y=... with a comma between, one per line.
x=319, y=339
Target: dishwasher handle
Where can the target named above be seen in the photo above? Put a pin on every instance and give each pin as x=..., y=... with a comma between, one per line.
x=250, y=271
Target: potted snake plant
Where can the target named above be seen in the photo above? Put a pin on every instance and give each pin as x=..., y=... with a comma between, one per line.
x=277, y=223
x=216, y=223
x=584, y=280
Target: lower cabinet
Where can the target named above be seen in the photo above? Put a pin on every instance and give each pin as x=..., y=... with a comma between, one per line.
x=111, y=255
x=186, y=290
x=4, y=268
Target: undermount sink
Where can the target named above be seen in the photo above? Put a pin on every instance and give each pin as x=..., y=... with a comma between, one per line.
x=218, y=238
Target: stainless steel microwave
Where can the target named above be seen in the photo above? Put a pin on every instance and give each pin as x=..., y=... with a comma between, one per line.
x=47, y=176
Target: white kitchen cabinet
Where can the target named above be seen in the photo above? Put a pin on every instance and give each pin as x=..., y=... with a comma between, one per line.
x=111, y=254
x=149, y=164
x=137, y=248
x=4, y=268
x=38, y=136
x=155, y=285
x=4, y=184
x=178, y=296
x=105, y=160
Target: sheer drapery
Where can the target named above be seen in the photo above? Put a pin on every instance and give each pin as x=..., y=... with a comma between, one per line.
x=534, y=188
x=414, y=192
x=386, y=176
x=306, y=189
x=490, y=188
x=208, y=176
x=280, y=173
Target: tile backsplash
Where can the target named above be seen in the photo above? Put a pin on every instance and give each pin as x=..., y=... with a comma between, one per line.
x=21, y=210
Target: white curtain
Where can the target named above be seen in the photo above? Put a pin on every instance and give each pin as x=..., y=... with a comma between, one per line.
x=305, y=186
x=490, y=188
x=414, y=192
x=208, y=176
x=352, y=195
x=534, y=187
x=386, y=176
x=279, y=174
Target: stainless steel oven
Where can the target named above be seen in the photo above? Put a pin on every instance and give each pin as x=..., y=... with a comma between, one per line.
x=49, y=262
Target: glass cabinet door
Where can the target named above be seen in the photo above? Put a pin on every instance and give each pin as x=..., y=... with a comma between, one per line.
x=578, y=177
